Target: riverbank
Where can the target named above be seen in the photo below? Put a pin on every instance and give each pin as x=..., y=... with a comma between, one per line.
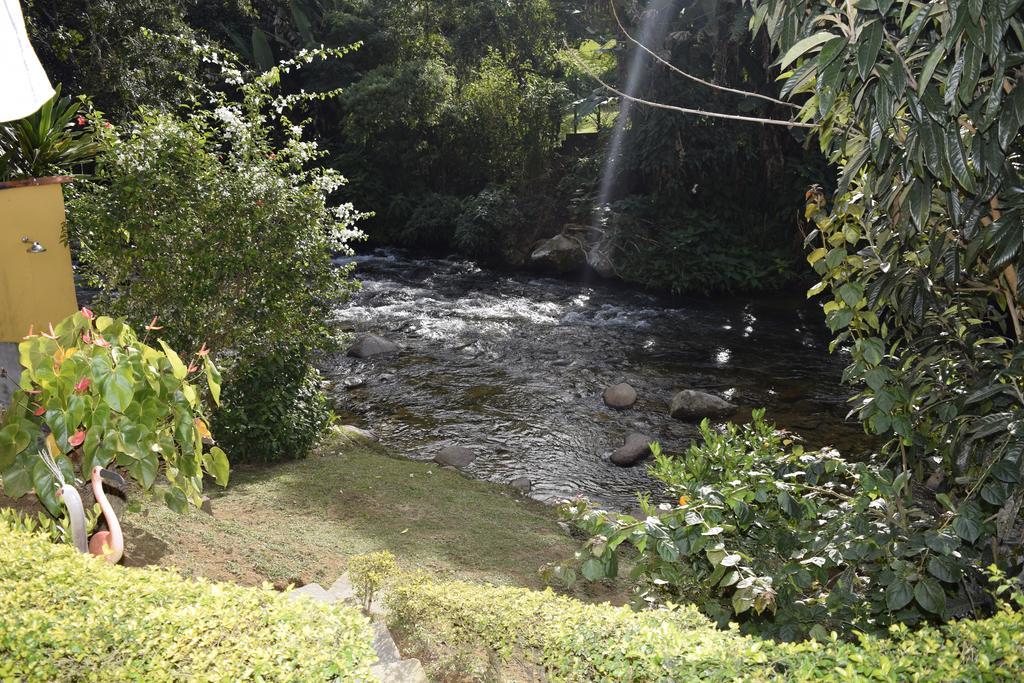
x=300, y=522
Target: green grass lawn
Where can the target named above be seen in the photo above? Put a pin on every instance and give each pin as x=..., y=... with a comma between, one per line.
x=301, y=521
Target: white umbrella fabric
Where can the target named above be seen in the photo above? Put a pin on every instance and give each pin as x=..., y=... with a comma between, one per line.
x=24, y=86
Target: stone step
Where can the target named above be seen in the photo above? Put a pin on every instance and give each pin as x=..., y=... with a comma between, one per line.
x=404, y=671
x=384, y=644
x=312, y=591
x=342, y=589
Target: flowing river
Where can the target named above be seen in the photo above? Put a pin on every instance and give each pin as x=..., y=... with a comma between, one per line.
x=514, y=365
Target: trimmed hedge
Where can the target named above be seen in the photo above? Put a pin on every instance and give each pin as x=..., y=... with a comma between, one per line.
x=575, y=641
x=66, y=616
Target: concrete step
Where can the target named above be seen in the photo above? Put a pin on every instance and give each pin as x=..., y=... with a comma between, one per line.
x=312, y=591
x=384, y=644
x=404, y=671
x=342, y=589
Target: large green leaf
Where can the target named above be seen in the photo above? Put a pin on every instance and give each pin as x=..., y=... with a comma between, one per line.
x=929, y=595
x=867, y=50
x=898, y=594
x=216, y=463
x=177, y=367
x=117, y=391
x=804, y=46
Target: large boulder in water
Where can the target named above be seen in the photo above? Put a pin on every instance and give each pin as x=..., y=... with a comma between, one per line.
x=367, y=345
x=560, y=253
x=455, y=456
x=636, y=448
x=620, y=396
x=599, y=258
x=696, y=405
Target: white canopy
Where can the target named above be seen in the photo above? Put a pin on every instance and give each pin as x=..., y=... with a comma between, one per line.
x=24, y=86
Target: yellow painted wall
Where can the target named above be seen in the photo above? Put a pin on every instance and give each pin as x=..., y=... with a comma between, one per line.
x=35, y=289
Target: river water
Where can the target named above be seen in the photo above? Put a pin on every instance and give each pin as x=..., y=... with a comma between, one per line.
x=513, y=366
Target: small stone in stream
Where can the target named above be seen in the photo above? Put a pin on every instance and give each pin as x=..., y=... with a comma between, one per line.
x=620, y=396
x=207, y=506
x=522, y=484
x=455, y=456
x=636, y=448
x=355, y=382
x=367, y=345
x=696, y=405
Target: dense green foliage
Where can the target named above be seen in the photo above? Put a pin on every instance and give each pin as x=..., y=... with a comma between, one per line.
x=66, y=616
x=702, y=204
x=575, y=641
x=452, y=119
x=123, y=53
x=100, y=395
x=787, y=542
x=274, y=408
x=920, y=106
x=221, y=224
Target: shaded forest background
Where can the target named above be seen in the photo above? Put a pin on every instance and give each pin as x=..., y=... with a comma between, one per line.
x=474, y=126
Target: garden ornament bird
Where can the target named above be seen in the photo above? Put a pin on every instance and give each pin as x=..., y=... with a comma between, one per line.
x=68, y=494
x=107, y=544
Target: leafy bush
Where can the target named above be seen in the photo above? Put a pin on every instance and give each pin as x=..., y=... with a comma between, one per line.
x=920, y=106
x=99, y=395
x=123, y=53
x=432, y=219
x=790, y=543
x=576, y=641
x=51, y=140
x=273, y=409
x=220, y=224
x=67, y=616
x=488, y=223
x=694, y=250
x=369, y=573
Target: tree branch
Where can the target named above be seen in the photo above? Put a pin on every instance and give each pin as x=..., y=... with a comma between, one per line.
x=686, y=110
x=696, y=79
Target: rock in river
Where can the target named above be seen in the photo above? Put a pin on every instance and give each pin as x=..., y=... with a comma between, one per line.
x=560, y=253
x=620, y=396
x=522, y=484
x=696, y=405
x=636, y=448
x=367, y=345
x=455, y=456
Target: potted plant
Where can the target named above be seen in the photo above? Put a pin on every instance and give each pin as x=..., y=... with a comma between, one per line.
x=36, y=155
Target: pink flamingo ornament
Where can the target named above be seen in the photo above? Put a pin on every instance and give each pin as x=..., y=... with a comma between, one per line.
x=106, y=544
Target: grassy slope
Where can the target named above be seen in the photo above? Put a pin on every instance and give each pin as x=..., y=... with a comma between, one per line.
x=303, y=520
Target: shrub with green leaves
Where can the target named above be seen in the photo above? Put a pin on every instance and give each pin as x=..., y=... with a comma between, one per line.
x=919, y=105
x=274, y=408
x=98, y=394
x=369, y=573
x=576, y=641
x=220, y=223
x=66, y=616
x=489, y=223
x=787, y=542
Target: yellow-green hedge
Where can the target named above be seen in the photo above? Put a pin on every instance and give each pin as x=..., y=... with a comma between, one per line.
x=66, y=616
x=575, y=641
